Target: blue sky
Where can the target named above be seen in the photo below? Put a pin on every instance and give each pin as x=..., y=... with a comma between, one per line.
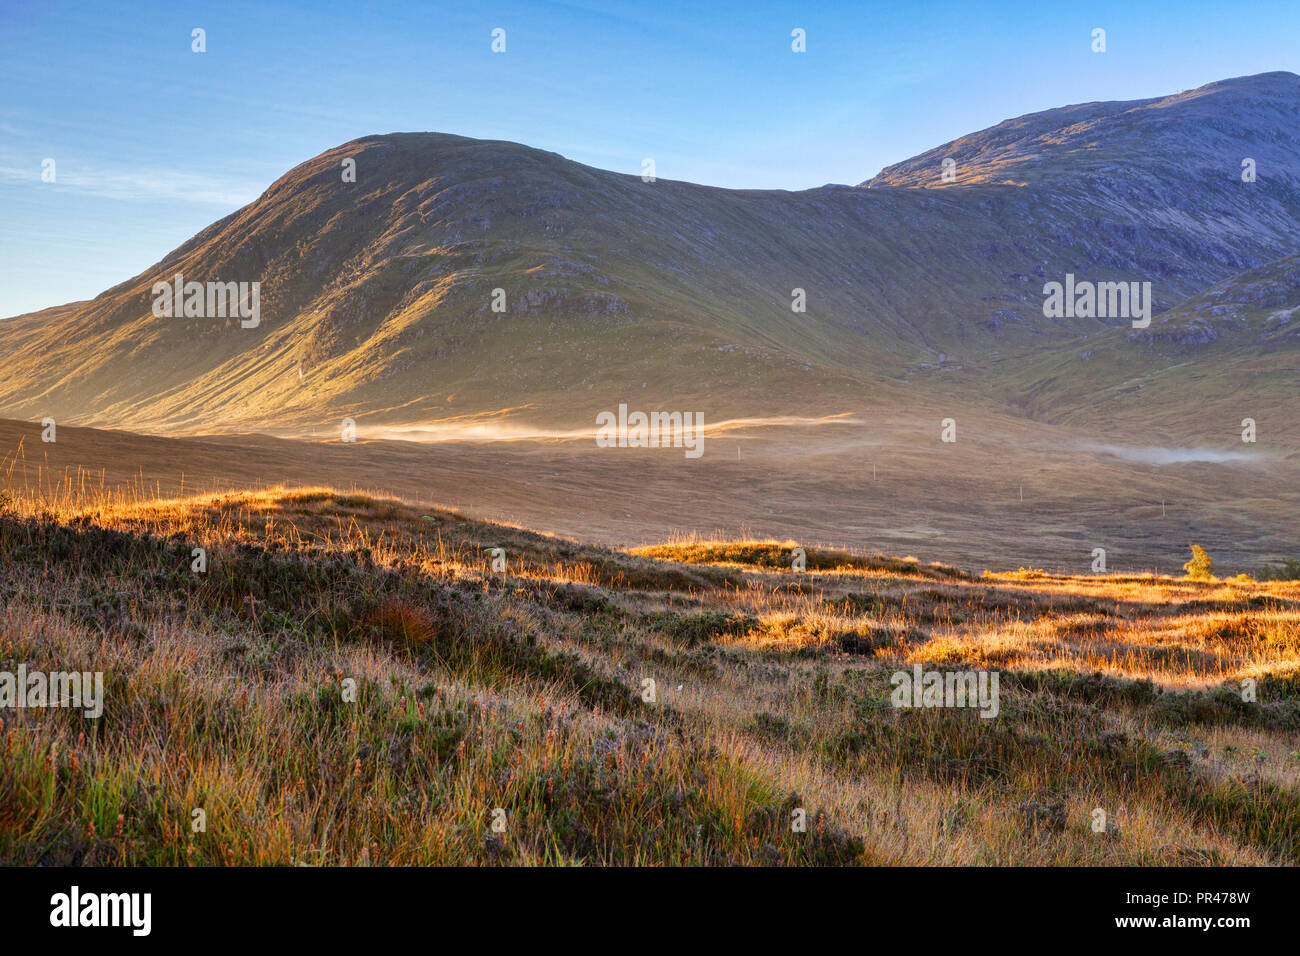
x=152, y=142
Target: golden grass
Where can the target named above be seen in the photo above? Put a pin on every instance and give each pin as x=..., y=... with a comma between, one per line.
x=479, y=691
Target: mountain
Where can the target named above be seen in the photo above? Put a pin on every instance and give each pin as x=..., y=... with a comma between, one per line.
x=1202, y=133
x=376, y=296
x=1260, y=307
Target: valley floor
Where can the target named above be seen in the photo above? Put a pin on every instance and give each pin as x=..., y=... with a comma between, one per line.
x=1007, y=493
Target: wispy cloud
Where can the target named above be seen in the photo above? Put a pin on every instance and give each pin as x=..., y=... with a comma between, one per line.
x=143, y=184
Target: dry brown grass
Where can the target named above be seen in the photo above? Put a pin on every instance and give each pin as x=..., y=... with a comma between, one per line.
x=522, y=691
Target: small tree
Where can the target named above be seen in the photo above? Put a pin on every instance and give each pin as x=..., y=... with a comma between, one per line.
x=1200, y=565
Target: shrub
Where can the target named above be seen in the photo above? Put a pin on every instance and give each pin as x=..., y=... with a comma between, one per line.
x=1289, y=571
x=1200, y=565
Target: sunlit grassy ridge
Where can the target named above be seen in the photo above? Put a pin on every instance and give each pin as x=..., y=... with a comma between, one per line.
x=522, y=690
x=781, y=555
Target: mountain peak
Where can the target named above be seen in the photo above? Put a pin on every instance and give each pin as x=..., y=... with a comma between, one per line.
x=1183, y=137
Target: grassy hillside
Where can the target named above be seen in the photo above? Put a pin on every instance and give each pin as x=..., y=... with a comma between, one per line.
x=1229, y=352
x=522, y=690
x=377, y=295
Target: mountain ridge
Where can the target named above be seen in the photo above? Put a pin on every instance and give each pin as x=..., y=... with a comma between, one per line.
x=377, y=296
